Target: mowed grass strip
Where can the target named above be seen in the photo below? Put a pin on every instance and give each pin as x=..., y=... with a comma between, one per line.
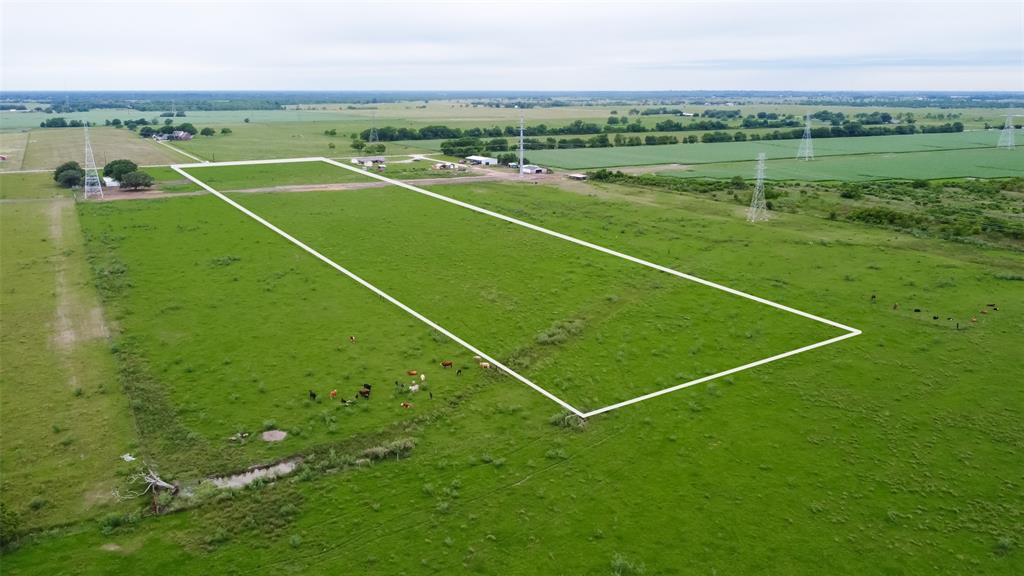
x=599, y=328
x=737, y=151
x=63, y=418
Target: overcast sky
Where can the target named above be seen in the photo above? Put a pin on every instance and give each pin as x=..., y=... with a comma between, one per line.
x=550, y=45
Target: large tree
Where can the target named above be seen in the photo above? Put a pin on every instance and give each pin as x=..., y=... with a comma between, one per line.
x=116, y=169
x=71, y=165
x=207, y=131
x=135, y=180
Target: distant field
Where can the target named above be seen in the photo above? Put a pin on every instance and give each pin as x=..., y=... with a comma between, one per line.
x=46, y=148
x=12, y=145
x=978, y=163
x=277, y=140
x=732, y=151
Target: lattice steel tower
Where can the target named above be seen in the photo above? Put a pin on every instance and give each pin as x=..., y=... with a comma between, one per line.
x=521, y=147
x=1006, y=136
x=373, y=130
x=806, y=151
x=758, y=211
x=93, y=187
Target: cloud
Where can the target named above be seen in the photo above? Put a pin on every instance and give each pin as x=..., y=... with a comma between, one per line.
x=549, y=45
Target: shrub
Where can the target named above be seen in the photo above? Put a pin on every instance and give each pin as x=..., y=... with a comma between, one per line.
x=397, y=449
x=38, y=503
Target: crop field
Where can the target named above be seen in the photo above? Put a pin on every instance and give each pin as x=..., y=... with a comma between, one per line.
x=975, y=163
x=894, y=450
x=736, y=151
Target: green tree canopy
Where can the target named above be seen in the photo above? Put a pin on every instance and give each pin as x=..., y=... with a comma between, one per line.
x=207, y=131
x=70, y=178
x=116, y=169
x=135, y=180
x=71, y=165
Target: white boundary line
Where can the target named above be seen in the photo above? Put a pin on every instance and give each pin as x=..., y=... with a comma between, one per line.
x=850, y=332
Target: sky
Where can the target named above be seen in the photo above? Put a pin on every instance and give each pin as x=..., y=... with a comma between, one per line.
x=503, y=45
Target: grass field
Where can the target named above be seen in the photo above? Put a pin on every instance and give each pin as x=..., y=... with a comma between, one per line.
x=579, y=340
x=895, y=451
x=738, y=151
x=976, y=163
x=63, y=418
x=46, y=148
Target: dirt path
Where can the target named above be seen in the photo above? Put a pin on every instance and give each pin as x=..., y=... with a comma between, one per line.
x=74, y=321
x=494, y=177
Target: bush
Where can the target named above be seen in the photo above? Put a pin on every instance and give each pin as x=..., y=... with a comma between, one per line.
x=207, y=131
x=396, y=449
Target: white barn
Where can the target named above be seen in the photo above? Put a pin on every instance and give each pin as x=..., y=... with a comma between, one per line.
x=482, y=160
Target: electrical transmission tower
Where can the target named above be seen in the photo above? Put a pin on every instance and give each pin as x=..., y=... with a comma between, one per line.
x=758, y=211
x=806, y=151
x=93, y=187
x=1006, y=136
x=521, y=155
x=373, y=130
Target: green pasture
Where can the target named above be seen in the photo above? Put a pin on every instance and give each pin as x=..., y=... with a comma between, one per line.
x=895, y=451
x=64, y=421
x=685, y=154
x=975, y=163
x=579, y=339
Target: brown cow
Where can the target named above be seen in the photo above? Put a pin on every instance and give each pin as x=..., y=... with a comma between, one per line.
x=446, y=364
x=412, y=372
x=485, y=365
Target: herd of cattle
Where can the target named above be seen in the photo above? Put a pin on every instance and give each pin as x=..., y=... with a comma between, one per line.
x=415, y=386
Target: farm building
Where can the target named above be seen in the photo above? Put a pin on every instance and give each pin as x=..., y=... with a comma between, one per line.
x=109, y=182
x=180, y=135
x=531, y=169
x=576, y=176
x=482, y=160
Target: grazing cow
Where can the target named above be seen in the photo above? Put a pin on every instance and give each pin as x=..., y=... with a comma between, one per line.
x=974, y=319
x=935, y=317
x=872, y=298
x=895, y=306
x=414, y=388
x=446, y=364
x=334, y=394
x=458, y=372
x=477, y=358
x=406, y=405
x=412, y=372
x=917, y=309
x=312, y=395
x=352, y=339
x=364, y=392
x=423, y=377
x=485, y=365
